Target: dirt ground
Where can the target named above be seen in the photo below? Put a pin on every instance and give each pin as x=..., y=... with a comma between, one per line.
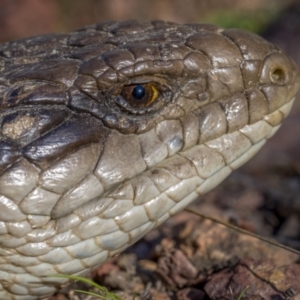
x=188, y=257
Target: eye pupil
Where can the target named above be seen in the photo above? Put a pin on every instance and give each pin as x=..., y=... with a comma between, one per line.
x=138, y=92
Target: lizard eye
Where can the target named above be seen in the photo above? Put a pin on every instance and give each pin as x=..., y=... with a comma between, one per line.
x=140, y=95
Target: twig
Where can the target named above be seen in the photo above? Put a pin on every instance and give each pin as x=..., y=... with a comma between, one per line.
x=243, y=231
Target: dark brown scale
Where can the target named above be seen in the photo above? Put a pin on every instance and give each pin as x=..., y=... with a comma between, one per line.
x=78, y=131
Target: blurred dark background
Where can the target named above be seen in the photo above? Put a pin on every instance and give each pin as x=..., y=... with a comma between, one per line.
x=21, y=18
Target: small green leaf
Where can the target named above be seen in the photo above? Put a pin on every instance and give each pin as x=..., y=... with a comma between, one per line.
x=106, y=294
x=243, y=293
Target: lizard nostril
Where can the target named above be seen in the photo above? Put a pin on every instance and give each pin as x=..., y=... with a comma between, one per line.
x=277, y=69
x=278, y=76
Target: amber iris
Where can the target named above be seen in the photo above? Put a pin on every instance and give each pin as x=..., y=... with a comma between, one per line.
x=140, y=95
